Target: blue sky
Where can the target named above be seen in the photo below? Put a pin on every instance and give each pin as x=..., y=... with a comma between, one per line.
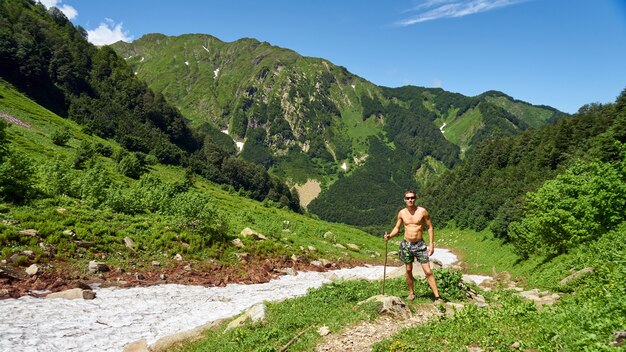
x=562, y=53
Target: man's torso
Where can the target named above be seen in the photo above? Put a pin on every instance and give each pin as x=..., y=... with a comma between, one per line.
x=413, y=220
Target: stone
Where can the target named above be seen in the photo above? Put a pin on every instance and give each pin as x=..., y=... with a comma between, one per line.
x=237, y=243
x=74, y=293
x=312, y=249
x=137, y=346
x=323, y=331
x=340, y=246
x=128, y=242
x=97, y=267
x=288, y=271
x=29, y=232
x=32, y=270
x=178, y=257
x=89, y=294
x=256, y=313
x=62, y=211
x=10, y=273
x=248, y=232
x=353, y=247
x=29, y=254
x=243, y=257
x=70, y=233
x=156, y=263
x=576, y=275
x=390, y=305
x=317, y=263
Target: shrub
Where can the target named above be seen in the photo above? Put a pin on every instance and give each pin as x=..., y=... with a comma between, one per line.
x=16, y=178
x=61, y=136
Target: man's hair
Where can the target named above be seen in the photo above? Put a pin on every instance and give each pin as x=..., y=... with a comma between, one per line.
x=409, y=191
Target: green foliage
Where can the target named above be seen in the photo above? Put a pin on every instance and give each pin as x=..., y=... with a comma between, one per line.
x=131, y=166
x=61, y=136
x=576, y=207
x=491, y=183
x=16, y=178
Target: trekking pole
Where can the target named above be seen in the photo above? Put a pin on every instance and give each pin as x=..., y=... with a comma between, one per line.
x=385, y=267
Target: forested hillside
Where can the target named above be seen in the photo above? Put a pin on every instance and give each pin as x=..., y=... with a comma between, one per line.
x=489, y=188
x=305, y=118
x=50, y=60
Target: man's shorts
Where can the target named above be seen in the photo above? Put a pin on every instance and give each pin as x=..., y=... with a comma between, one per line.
x=410, y=251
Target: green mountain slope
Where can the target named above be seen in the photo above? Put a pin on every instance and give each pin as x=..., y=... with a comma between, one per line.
x=305, y=118
x=86, y=212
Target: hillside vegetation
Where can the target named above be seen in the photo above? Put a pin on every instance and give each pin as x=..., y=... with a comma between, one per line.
x=77, y=198
x=305, y=118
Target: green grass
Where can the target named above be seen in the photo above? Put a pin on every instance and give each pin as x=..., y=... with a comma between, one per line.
x=534, y=116
x=158, y=233
x=590, y=310
x=461, y=130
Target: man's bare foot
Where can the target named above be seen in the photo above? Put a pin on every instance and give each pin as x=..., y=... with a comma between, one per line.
x=410, y=297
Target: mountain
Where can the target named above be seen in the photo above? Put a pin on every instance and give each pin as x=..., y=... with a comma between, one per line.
x=51, y=61
x=305, y=118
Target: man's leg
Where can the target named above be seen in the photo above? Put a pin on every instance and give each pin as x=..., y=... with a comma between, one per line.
x=430, y=278
x=409, y=279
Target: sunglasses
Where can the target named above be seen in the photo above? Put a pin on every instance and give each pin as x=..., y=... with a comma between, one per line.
x=407, y=198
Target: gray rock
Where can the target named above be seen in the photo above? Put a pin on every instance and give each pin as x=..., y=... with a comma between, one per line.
x=128, y=242
x=353, y=247
x=32, y=270
x=97, y=267
x=339, y=245
x=156, y=263
x=576, y=275
x=391, y=305
x=178, y=257
x=29, y=232
x=323, y=331
x=237, y=243
x=256, y=313
x=248, y=232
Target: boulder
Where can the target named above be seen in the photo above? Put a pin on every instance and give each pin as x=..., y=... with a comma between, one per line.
x=32, y=270
x=248, y=232
x=323, y=331
x=340, y=246
x=256, y=313
x=97, y=267
x=128, y=242
x=29, y=232
x=353, y=247
x=74, y=293
x=575, y=276
x=237, y=243
x=390, y=305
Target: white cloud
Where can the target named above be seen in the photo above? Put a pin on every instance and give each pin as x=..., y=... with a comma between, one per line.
x=69, y=11
x=437, y=9
x=108, y=33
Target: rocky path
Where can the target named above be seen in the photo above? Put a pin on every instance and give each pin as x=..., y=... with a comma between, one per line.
x=361, y=337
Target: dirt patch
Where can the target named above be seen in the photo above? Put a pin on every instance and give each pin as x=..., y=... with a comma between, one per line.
x=308, y=191
x=361, y=337
x=59, y=276
x=14, y=120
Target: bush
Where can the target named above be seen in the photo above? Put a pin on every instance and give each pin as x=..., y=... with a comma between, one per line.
x=131, y=166
x=61, y=136
x=587, y=200
x=16, y=178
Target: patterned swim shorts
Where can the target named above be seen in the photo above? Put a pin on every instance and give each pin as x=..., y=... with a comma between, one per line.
x=409, y=251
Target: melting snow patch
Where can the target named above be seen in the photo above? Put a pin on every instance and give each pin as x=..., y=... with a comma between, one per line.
x=239, y=145
x=187, y=63
x=205, y=48
x=344, y=166
x=120, y=316
x=444, y=256
x=477, y=279
x=225, y=131
x=216, y=72
x=142, y=58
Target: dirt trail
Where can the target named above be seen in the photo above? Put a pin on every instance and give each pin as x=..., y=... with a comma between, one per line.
x=361, y=337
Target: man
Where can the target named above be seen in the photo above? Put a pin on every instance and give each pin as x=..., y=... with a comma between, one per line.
x=413, y=247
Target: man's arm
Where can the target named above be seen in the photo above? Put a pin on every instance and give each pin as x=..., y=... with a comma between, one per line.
x=395, y=230
x=431, y=233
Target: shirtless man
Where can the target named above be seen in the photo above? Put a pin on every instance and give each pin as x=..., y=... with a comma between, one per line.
x=413, y=246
